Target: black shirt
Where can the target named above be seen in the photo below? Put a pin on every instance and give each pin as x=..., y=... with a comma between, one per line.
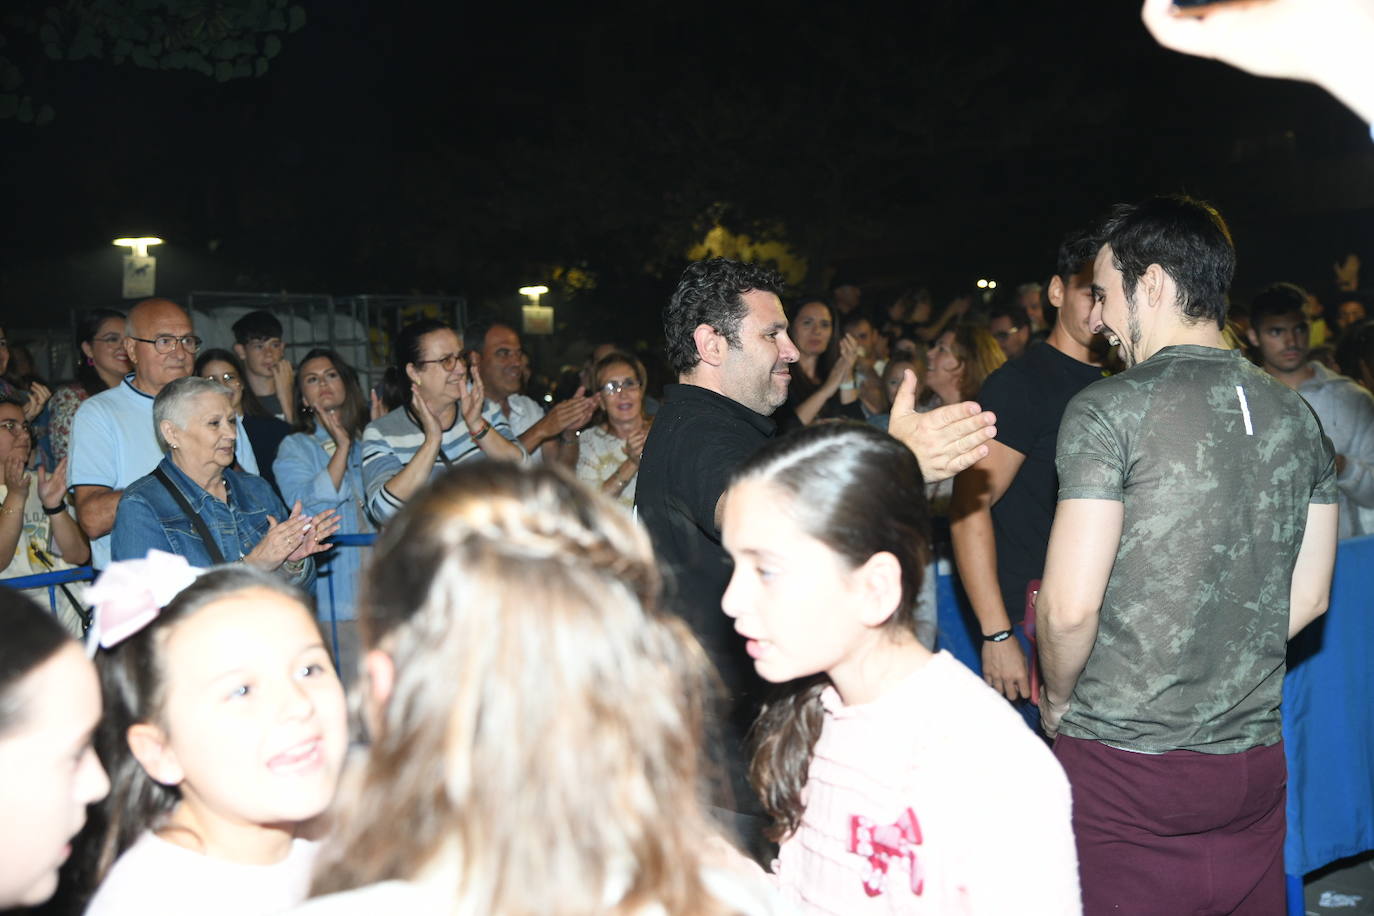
x=697, y=441
x=1029, y=395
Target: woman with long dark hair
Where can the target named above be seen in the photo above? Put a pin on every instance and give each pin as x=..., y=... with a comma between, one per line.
x=321, y=464
x=875, y=761
x=101, y=363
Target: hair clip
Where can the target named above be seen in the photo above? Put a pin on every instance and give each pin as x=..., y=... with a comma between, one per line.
x=131, y=593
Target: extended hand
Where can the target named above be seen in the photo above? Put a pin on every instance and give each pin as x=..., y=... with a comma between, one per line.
x=945, y=440
x=1004, y=668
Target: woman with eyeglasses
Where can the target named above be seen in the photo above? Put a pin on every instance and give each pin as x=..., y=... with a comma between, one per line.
x=444, y=419
x=264, y=431
x=102, y=364
x=609, y=452
x=38, y=534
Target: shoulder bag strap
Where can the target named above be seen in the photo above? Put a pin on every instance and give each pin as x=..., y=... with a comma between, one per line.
x=211, y=545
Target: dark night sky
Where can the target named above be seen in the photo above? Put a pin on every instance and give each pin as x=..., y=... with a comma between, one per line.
x=472, y=149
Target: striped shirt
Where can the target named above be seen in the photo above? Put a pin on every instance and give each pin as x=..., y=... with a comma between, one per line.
x=391, y=441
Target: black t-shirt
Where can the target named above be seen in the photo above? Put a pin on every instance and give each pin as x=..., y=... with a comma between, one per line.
x=1029, y=395
x=697, y=441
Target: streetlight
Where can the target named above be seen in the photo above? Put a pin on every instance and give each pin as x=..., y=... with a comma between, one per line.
x=140, y=268
x=536, y=318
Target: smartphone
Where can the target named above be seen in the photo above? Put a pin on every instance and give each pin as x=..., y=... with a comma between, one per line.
x=1203, y=7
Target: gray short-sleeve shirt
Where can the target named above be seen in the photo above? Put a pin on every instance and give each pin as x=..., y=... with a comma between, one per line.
x=1215, y=463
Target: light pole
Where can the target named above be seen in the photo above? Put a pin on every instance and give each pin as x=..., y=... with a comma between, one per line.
x=140, y=268
x=536, y=318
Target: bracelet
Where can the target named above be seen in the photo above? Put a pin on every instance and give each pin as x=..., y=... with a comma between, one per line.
x=55, y=510
x=293, y=566
x=1001, y=636
x=8, y=510
x=486, y=428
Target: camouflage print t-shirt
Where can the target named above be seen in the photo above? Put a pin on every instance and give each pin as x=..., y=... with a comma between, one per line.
x=1215, y=463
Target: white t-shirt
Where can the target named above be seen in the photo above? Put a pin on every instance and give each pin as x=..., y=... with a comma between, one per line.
x=935, y=798
x=158, y=878
x=36, y=543
x=113, y=444
x=524, y=412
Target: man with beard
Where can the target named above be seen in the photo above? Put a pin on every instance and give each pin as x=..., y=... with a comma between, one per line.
x=1195, y=534
x=727, y=340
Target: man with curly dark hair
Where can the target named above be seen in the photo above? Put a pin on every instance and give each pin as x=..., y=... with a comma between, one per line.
x=727, y=340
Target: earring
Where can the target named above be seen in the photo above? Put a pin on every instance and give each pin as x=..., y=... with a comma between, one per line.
x=89, y=361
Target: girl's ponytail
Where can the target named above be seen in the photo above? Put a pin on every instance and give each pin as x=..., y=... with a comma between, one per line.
x=784, y=737
x=136, y=801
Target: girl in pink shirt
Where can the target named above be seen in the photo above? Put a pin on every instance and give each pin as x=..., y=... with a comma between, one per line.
x=897, y=780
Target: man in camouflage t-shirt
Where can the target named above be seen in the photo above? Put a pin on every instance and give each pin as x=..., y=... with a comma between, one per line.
x=1195, y=533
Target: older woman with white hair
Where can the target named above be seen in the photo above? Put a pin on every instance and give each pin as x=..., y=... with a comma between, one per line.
x=195, y=505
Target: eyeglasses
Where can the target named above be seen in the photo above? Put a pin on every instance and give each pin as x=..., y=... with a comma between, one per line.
x=445, y=362
x=1006, y=335
x=228, y=378
x=166, y=343
x=110, y=340
x=617, y=385
x=10, y=426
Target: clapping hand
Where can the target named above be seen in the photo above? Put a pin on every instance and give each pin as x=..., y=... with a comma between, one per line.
x=472, y=398
x=429, y=423
x=572, y=413
x=329, y=419
x=16, y=480
x=52, y=488
x=38, y=397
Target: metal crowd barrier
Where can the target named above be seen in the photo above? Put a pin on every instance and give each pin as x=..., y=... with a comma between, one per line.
x=57, y=578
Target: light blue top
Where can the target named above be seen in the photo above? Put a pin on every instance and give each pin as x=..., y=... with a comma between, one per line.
x=113, y=444
x=302, y=472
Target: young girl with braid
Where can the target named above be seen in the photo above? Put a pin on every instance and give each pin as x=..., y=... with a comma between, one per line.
x=898, y=781
x=535, y=719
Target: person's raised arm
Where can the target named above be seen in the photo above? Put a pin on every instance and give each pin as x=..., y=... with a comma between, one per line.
x=976, y=491
x=67, y=535
x=415, y=473
x=563, y=417
x=1310, y=592
x=472, y=401
x=809, y=409
x=1320, y=41
x=945, y=440
x=12, y=510
x=1083, y=546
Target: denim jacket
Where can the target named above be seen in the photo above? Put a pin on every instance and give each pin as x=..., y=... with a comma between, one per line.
x=149, y=517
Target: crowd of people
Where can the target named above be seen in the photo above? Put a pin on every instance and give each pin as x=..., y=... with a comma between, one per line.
x=647, y=644
x=671, y=651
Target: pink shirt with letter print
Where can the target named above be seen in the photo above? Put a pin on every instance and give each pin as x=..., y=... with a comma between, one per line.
x=935, y=798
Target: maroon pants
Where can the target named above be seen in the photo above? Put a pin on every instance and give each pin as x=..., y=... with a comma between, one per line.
x=1177, y=833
